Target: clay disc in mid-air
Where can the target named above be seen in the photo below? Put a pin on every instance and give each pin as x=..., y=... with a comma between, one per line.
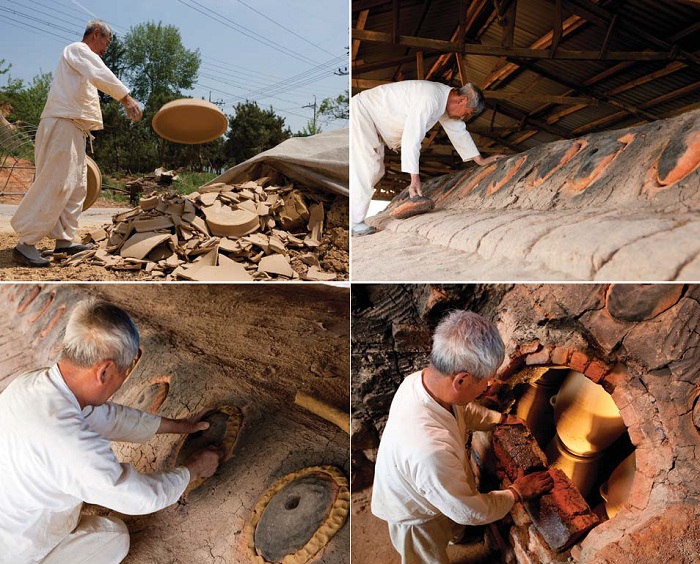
x=413, y=206
x=298, y=515
x=94, y=183
x=190, y=121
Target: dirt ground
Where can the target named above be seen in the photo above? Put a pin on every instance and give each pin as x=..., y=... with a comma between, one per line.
x=252, y=346
x=371, y=542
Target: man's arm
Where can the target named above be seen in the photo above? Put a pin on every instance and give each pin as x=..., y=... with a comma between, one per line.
x=181, y=426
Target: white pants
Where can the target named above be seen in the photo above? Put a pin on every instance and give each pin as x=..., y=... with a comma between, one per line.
x=96, y=540
x=367, y=153
x=425, y=543
x=52, y=205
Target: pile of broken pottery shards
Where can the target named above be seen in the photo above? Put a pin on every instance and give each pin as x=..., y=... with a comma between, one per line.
x=227, y=232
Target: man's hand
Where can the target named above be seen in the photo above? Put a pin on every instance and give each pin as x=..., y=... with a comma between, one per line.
x=532, y=485
x=203, y=463
x=481, y=161
x=181, y=426
x=414, y=189
x=132, y=108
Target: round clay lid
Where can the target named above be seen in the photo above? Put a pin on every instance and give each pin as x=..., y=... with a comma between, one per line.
x=94, y=183
x=190, y=121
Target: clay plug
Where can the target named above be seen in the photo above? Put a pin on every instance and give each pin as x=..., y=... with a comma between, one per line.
x=413, y=206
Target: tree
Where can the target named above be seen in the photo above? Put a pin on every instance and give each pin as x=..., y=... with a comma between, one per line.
x=311, y=128
x=335, y=108
x=156, y=64
x=27, y=101
x=4, y=70
x=252, y=131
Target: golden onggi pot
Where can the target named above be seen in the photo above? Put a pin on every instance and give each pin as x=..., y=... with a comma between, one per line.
x=617, y=489
x=535, y=409
x=583, y=470
x=586, y=416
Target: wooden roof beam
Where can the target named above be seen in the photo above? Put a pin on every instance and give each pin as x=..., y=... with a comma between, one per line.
x=600, y=16
x=360, y=24
x=619, y=116
x=513, y=52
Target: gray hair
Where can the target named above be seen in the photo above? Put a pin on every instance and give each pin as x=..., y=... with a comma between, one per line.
x=92, y=25
x=475, y=97
x=98, y=331
x=466, y=342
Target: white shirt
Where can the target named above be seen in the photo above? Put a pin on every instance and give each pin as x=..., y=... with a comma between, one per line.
x=79, y=74
x=403, y=112
x=422, y=467
x=53, y=456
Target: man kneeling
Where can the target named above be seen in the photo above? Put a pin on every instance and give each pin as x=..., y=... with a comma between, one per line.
x=56, y=428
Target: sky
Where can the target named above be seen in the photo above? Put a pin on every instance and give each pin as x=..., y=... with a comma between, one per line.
x=278, y=53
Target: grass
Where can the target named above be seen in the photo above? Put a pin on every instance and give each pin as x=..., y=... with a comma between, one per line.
x=186, y=183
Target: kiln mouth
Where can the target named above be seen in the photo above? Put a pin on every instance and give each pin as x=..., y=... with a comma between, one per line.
x=579, y=427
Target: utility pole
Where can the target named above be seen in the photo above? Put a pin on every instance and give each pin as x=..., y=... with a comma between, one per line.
x=314, y=107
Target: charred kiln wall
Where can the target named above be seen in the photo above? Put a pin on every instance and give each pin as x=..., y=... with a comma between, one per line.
x=640, y=342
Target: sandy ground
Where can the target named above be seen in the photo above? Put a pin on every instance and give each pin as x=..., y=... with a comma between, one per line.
x=415, y=258
x=97, y=216
x=252, y=346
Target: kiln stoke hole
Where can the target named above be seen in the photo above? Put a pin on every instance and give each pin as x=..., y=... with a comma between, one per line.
x=292, y=503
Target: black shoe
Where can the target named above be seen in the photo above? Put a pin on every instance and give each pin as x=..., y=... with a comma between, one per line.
x=73, y=249
x=24, y=260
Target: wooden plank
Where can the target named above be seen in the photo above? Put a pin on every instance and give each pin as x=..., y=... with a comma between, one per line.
x=502, y=69
x=420, y=67
x=608, y=35
x=556, y=26
x=369, y=67
x=361, y=22
x=462, y=68
x=513, y=52
x=550, y=98
x=396, y=20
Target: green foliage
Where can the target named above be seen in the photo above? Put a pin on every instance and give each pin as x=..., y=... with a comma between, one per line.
x=335, y=108
x=311, y=128
x=4, y=70
x=189, y=182
x=27, y=101
x=156, y=64
x=252, y=131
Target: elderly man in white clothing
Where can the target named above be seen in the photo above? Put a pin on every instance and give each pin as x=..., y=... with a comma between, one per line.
x=56, y=428
x=423, y=485
x=399, y=114
x=52, y=205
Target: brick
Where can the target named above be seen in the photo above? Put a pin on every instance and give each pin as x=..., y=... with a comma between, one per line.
x=540, y=357
x=597, y=370
x=579, y=361
x=560, y=356
x=641, y=488
x=516, y=449
x=529, y=347
x=562, y=516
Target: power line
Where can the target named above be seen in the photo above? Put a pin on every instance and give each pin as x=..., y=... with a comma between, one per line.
x=283, y=27
x=232, y=25
x=32, y=18
x=27, y=27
